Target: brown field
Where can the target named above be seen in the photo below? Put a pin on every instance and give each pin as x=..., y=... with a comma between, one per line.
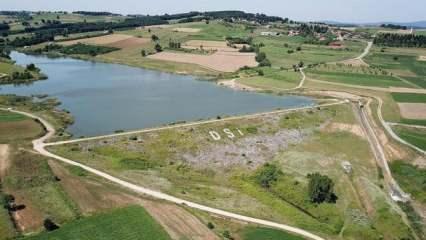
x=179, y=223
x=187, y=30
x=4, y=159
x=19, y=130
x=219, y=61
x=102, y=40
x=354, y=62
x=422, y=58
x=129, y=43
x=413, y=110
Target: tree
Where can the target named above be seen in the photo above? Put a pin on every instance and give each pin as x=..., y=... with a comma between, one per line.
x=321, y=189
x=299, y=48
x=267, y=175
x=143, y=53
x=210, y=225
x=158, y=47
x=301, y=64
x=155, y=38
x=49, y=225
x=227, y=235
x=31, y=67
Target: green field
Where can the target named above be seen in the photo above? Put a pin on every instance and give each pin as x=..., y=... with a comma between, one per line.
x=276, y=49
x=411, y=178
x=6, y=116
x=126, y=223
x=414, y=136
x=402, y=62
x=363, y=76
x=409, y=97
x=273, y=79
x=259, y=233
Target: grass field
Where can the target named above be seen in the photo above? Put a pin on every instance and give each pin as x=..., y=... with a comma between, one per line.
x=7, y=231
x=259, y=233
x=412, y=135
x=33, y=184
x=411, y=178
x=187, y=163
x=126, y=223
x=363, y=76
x=402, y=62
x=273, y=79
x=409, y=97
x=276, y=49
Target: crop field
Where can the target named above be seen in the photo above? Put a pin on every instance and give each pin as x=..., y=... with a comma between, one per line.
x=277, y=49
x=272, y=79
x=191, y=164
x=126, y=223
x=412, y=135
x=256, y=233
x=402, y=62
x=363, y=76
x=14, y=127
x=409, y=97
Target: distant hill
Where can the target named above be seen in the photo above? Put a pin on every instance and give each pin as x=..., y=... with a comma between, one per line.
x=417, y=24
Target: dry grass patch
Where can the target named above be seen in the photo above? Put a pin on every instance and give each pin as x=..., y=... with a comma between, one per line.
x=130, y=43
x=102, y=40
x=187, y=30
x=413, y=110
x=422, y=58
x=223, y=62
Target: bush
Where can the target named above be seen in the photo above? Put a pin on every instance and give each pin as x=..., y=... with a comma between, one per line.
x=267, y=175
x=158, y=47
x=210, y=225
x=49, y=225
x=321, y=189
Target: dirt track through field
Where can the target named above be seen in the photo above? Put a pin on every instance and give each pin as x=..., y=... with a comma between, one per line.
x=4, y=159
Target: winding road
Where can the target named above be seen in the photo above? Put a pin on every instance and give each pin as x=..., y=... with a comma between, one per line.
x=40, y=144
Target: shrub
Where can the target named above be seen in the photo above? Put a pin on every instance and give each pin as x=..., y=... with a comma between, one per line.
x=267, y=175
x=321, y=189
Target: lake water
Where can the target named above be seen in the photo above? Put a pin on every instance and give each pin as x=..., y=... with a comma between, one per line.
x=107, y=97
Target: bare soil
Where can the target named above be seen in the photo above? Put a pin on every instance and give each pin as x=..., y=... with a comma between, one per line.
x=354, y=62
x=352, y=128
x=4, y=159
x=422, y=58
x=179, y=223
x=28, y=219
x=413, y=110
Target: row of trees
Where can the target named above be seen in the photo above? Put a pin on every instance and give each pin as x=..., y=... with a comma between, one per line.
x=400, y=40
x=320, y=187
x=393, y=26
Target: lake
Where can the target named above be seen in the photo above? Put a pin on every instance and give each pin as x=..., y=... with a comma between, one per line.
x=105, y=97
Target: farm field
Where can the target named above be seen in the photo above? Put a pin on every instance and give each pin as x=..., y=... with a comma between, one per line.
x=126, y=223
x=412, y=135
x=411, y=107
x=255, y=233
x=363, y=76
x=401, y=62
x=14, y=127
x=189, y=164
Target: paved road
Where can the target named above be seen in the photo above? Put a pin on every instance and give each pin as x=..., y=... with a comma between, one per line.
x=39, y=146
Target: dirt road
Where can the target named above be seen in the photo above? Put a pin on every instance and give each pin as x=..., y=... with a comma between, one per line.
x=4, y=159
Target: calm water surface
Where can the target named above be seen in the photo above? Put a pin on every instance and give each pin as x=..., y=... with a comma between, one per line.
x=108, y=97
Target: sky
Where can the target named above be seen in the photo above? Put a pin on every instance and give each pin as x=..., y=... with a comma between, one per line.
x=360, y=11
